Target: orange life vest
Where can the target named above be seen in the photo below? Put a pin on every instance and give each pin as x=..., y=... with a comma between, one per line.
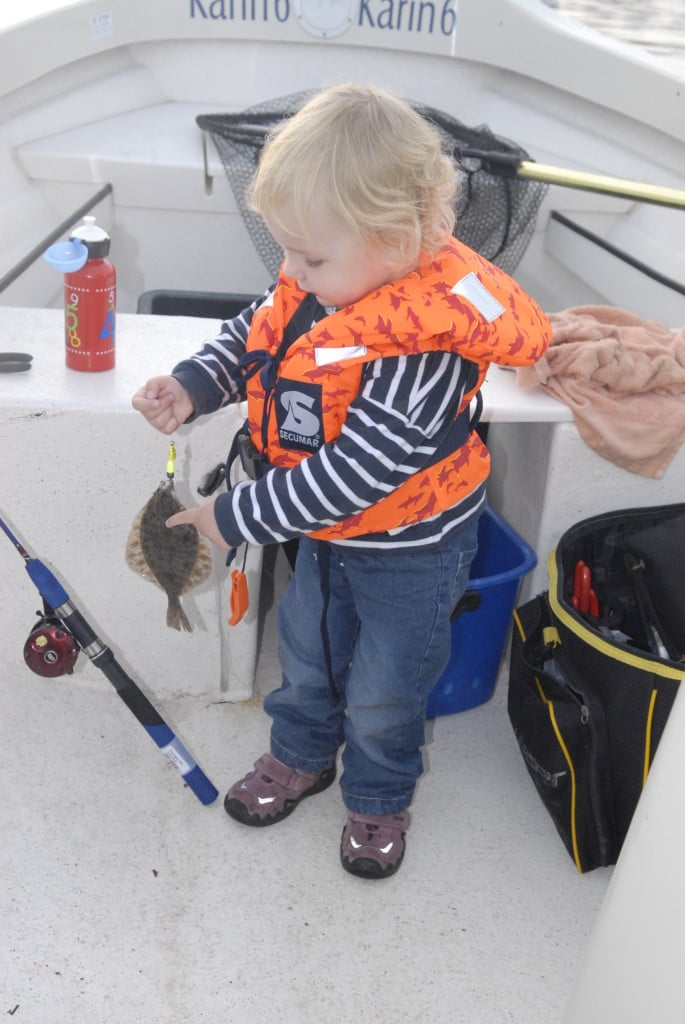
x=456, y=301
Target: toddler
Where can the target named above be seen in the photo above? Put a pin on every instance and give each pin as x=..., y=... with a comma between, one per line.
x=359, y=366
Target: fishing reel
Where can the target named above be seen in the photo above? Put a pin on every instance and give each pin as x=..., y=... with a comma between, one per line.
x=50, y=649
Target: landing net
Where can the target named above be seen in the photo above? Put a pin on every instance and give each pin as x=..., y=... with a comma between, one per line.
x=496, y=212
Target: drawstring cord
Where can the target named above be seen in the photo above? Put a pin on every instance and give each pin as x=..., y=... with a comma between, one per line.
x=259, y=361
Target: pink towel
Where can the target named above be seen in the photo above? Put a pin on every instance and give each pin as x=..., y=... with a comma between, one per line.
x=623, y=377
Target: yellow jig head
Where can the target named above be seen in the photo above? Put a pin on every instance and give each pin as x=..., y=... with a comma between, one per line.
x=171, y=463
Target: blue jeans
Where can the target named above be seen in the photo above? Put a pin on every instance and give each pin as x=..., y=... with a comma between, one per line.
x=388, y=626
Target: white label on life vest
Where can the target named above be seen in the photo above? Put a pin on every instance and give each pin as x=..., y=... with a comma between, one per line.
x=473, y=289
x=324, y=356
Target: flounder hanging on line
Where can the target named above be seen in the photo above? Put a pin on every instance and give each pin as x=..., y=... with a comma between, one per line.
x=175, y=559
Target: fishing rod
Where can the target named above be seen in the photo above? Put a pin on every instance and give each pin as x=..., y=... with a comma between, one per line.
x=51, y=650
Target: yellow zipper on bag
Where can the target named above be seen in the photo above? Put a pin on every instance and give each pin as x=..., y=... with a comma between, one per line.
x=572, y=621
x=564, y=749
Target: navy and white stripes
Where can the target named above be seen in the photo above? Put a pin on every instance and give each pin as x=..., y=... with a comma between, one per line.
x=405, y=406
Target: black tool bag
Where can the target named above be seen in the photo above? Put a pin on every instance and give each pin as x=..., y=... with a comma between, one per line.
x=595, y=667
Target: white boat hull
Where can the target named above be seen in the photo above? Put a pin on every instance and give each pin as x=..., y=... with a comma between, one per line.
x=92, y=96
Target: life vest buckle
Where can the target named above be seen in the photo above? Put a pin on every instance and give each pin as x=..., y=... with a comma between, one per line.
x=250, y=458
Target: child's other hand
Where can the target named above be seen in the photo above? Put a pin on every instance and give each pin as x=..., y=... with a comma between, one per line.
x=203, y=518
x=164, y=403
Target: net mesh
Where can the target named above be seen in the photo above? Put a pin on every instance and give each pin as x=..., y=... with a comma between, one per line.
x=496, y=212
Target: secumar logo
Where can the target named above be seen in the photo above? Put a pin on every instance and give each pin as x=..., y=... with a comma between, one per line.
x=299, y=415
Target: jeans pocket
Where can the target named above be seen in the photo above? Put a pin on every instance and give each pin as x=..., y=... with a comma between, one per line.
x=465, y=555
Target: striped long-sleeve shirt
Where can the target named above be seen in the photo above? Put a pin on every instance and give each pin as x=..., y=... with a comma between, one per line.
x=405, y=406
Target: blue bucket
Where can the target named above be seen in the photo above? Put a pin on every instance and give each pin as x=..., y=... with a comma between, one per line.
x=479, y=636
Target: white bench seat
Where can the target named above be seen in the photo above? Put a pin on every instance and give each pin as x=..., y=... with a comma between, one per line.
x=153, y=156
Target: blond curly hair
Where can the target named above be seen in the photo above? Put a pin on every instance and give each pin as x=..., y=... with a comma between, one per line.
x=377, y=164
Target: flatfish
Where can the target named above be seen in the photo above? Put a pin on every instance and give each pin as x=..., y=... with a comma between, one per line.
x=176, y=560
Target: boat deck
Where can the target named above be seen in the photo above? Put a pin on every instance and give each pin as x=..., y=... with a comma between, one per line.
x=125, y=899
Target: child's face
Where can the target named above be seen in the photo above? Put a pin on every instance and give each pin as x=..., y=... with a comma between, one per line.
x=333, y=262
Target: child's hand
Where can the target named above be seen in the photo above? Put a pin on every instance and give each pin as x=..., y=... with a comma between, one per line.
x=203, y=518
x=164, y=403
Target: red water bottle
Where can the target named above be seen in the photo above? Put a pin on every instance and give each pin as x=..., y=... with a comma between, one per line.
x=90, y=303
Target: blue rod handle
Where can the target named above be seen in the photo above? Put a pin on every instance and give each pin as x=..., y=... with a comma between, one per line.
x=191, y=772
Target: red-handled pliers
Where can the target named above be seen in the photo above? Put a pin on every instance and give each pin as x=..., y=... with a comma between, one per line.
x=584, y=598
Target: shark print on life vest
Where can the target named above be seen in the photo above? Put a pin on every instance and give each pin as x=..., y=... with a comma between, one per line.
x=456, y=301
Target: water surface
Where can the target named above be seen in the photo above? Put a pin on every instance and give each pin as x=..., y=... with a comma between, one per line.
x=655, y=25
